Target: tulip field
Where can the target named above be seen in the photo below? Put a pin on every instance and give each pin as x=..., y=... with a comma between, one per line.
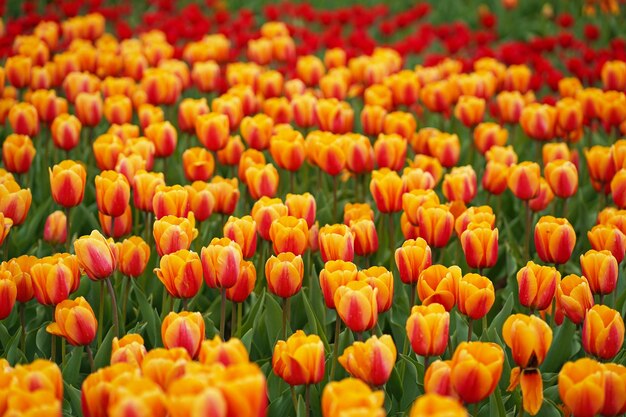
x=312, y=209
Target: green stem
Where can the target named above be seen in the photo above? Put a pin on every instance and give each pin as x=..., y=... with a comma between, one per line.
x=529, y=218
x=335, y=347
x=307, y=400
x=392, y=242
x=63, y=349
x=286, y=312
x=469, y=329
x=294, y=399
x=222, y=312
x=116, y=319
x=53, y=348
x=68, y=238
x=100, y=314
x=239, y=317
x=90, y=357
x=22, y=312
x=125, y=299
x=334, y=198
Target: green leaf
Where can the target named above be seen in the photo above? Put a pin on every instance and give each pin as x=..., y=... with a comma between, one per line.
x=561, y=349
x=318, y=328
x=505, y=312
x=301, y=407
x=496, y=405
x=149, y=314
x=73, y=394
x=71, y=371
x=273, y=319
x=103, y=355
x=252, y=315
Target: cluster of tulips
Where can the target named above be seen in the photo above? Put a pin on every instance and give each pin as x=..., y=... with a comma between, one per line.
x=342, y=191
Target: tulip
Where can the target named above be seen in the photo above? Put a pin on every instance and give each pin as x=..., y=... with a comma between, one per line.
x=488, y=134
x=262, y=180
x=21, y=402
x=379, y=278
x=554, y=239
x=18, y=153
x=356, y=305
x=611, y=109
x=438, y=95
x=201, y=200
x=477, y=214
x=230, y=105
x=476, y=370
x=242, y=231
x=145, y=185
x=221, y=261
x=427, y=329
x=386, y=187
x=581, y=387
x=24, y=120
x=118, y=109
x=417, y=179
x=563, y=178
x=615, y=382
x=335, y=274
x=89, y=108
x=136, y=395
x=495, y=177
x=357, y=211
x=257, y=130
x=614, y=75
x=437, y=379
x=112, y=193
x=523, y=180
x=608, y=237
x=574, y=297
x=149, y=114
x=334, y=86
x=470, y=110
x=206, y=75
x=161, y=86
x=75, y=321
x=181, y=273
x=537, y=285
x=53, y=279
x=289, y=234
x=245, y=283
x=476, y=296
x=164, y=366
x=539, y=121
x=8, y=293
x=601, y=269
x=98, y=386
x=390, y=151
x=603, y=332
x=107, y=149
x=284, y=273
x=351, y=396
x=460, y=184
x=164, y=137
x=230, y=352
x=330, y=154
x=302, y=206
x=373, y=119
x=265, y=211
x=334, y=116
x=336, y=242
x=300, y=359
x=133, y=256
x=18, y=70
x=436, y=224
x=226, y=194
x=543, y=197
x=412, y=258
x=188, y=111
x=438, y=284
x=446, y=148
x=504, y=154
x=414, y=199
x=55, y=228
x=435, y=405
x=569, y=118
x=40, y=375
x=66, y=130
x=365, y=237
x=198, y=164
x=5, y=227
x=529, y=338
x=184, y=330
x=601, y=167
x=96, y=256
x=278, y=108
x=287, y=149
x=371, y=361
x=480, y=245
x=170, y=201
x=618, y=188
x=14, y=201
x=231, y=154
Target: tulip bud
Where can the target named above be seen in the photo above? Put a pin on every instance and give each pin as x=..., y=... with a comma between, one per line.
x=300, y=359
x=54, y=278
x=581, y=387
x=5, y=226
x=262, y=180
x=523, y=180
x=618, y=188
x=488, y=134
x=479, y=361
x=181, y=273
x=112, y=193
x=145, y=185
x=164, y=137
x=601, y=269
x=18, y=153
x=460, y=184
x=371, y=361
x=357, y=306
x=221, y=263
x=428, y=329
x=470, y=110
x=476, y=296
x=387, y=188
x=438, y=284
x=603, y=332
x=96, y=255
x=365, y=237
x=615, y=381
x=334, y=275
x=227, y=353
x=284, y=273
x=170, y=201
x=437, y=379
x=537, y=285
x=480, y=245
x=24, y=119
x=289, y=234
x=184, y=330
x=373, y=119
x=244, y=285
x=336, y=242
x=198, y=164
x=436, y=224
x=265, y=211
x=55, y=228
x=89, y=108
x=601, y=167
x=75, y=321
x=129, y=349
x=574, y=297
x=14, y=201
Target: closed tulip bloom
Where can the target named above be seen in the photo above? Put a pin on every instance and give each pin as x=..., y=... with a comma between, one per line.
x=96, y=255
x=611, y=108
x=226, y=194
x=569, y=117
x=387, y=188
x=614, y=75
x=5, y=227
x=357, y=211
x=188, y=111
x=133, y=256
x=371, y=361
x=438, y=284
x=414, y=199
x=523, y=180
x=265, y=211
x=603, y=332
x=555, y=239
x=287, y=149
x=618, y=154
x=357, y=306
x=245, y=283
x=334, y=86
x=470, y=110
x=164, y=137
x=65, y=130
x=601, y=269
x=428, y=328
x=149, y=114
x=495, y=177
x=302, y=206
x=390, y=151
x=614, y=387
x=75, y=321
x=555, y=151
x=278, y=108
x=537, y=285
x=54, y=279
x=181, y=273
x=529, y=338
x=145, y=185
x=55, y=228
x=206, y=75
x=170, y=200
x=8, y=293
x=300, y=359
x=18, y=70
x=601, y=167
x=436, y=224
x=118, y=109
x=413, y=257
x=336, y=242
x=221, y=261
x=503, y=154
x=438, y=95
x=284, y=273
x=480, y=245
x=185, y=330
x=435, y=405
x=460, y=184
x=618, y=188
x=198, y=164
x=476, y=214
x=476, y=370
x=89, y=108
x=173, y=233
x=24, y=120
x=608, y=237
x=373, y=119
x=476, y=296
x=39, y=375
x=446, y=148
x=334, y=275
x=303, y=109
x=543, y=197
x=262, y=180
x=510, y=105
x=230, y=352
x=352, y=396
x=330, y=155
x=67, y=183
x=14, y=201
x=289, y=234
x=365, y=236
x=165, y=365
x=581, y=387
x=257, y=130
x=539, y=121
x=488, y=134
x=574, y=297
x=334, y=116
x=379, y=278
x=417, y=179
x=112, y=193
x=563, y=178
x=18, y=153
x=437, y=379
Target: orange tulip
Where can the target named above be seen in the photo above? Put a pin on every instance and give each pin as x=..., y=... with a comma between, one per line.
x=75, y=321
x=470, y=110
x=188, y=111
x=487, y=135
x=537, y=285
x=334, y=275
x=543, y=197
x=262, y=180
x=413, y=200
x=435, y=405
x=581, y=387
x=118, y=109
x=112, y=193
x=555, y=151
x=279, y=109
x=300, y=359
x=14, y=201
x=357, y=211
x=161, y=86
x=54, y=278
x=18, y=70
x=164, y=366
x=373, y=119
x=436, y=224
x=230, y=105
x=438, y=95
x=523, y=180
x=184, y=330
x=495, y=177
x=245, y=283
x=427, y=329
x=334, y=116
x=257, y=130
x=437, y=379
x=198, y=164
x=164, y=137
x=460, y=184
x=24, y=120
x=55, y=228
x=284, y=273
x=181, y=273
x=603, y=332
x=480, y=245
x=371, y=361
x=242, y=231
x=227, y=353
x=476, y=296
x=476, y=370
x=569, y=118
x=170, y=200
x=5, y=227
x=145, y=185
x=8, y=293
x=574, y=297
x=608, y=237
x=618, y=188
x=351, y=396
x=287, y=149
x=65, y=130
x=265, y=211
x=221, y=261
x=601, y=167
x=390, y=151
x=554, y=239
x=563, y=177
x=134, y=254
x=446, y=148
x=334, y=85
x=96, y=255
x=270, y=84
x=614, y=386
x=226, y=194
x=303, y=109
x=439, y=285
x=510, y=105
x=289, y=234
x=106, y=149
x=601, y=269
x=539, y=121
x=18, y=153
x=89, y=108
x=97, y=388
x=399, y=123
x=149, y=114
x=365, y=236
x=206, y=75
x=336, y=242
x=386, y=187
x=412, y=258
x=357, y=306
x=611, y=109
x=329, y=154
x=614, y=75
